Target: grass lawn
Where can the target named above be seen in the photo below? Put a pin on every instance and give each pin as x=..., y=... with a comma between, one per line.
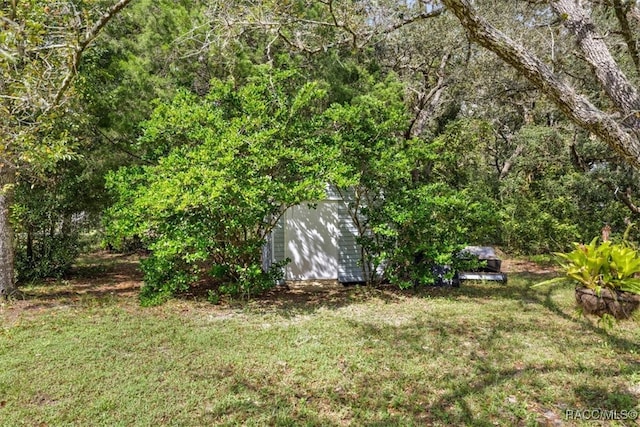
x=82, y=352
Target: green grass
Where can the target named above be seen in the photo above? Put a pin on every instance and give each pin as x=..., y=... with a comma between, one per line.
x=544, y=260
x=484, y=354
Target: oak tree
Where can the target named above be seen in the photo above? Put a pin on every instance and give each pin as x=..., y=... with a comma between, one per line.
x=41, y=48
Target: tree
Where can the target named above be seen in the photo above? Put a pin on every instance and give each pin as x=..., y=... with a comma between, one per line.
x=41, y=48
x=619, y=125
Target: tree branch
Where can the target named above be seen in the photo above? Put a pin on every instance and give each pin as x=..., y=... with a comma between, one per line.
x=99, y=133
x=581, y=111
x=627, y=33
x=428, y=102
x=614, y=82
x=76, y=56
x=353, y=37
x=624, y=197
x=506, y=168
x=411, y=20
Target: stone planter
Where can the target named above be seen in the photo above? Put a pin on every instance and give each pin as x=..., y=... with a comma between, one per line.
x=618, y=304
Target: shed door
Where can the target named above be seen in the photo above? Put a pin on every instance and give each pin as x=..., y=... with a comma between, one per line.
x=311, y=241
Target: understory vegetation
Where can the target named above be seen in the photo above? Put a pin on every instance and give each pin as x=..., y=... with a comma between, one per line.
x=188, y=136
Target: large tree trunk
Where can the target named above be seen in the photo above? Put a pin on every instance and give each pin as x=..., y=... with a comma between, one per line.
x=619, y=131
x=7, y=274
x=614, y=82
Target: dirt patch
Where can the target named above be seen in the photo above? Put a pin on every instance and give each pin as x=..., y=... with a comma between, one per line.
x=97, y=278
x=308, y=293
x=105, y=277
x=524, y=266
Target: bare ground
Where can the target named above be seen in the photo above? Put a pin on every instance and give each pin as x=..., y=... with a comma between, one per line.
x=106, y=277
x=98, y=277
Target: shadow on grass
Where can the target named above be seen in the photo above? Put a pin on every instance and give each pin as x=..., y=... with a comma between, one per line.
x=453, y=408
x=110, y=278
x=102, y=278
x=525, y=294
x=296, y=300
x=476, y=396
x=600, y=398
x=489, y=369
x=105, y=275
x=453, y=402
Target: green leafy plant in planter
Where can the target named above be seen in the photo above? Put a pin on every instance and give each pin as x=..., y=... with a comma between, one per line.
x=604, y=275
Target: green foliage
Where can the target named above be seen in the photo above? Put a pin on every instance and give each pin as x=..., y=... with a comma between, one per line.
x=41, y=46
x=252, y=280
x=137, y=60
x=46, y=255
x=534, y=224
x=164, y=277
x=607, y=322
x=409, y=219
x=419, y=229
x=460, y=151
x=596, y=266
x=50, y=213
x=224, y=168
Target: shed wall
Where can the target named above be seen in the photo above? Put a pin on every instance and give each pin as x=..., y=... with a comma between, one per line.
x=311, y=236
x=320, y=242
x=349, y=253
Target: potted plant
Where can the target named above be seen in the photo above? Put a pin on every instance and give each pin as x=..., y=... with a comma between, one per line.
x=604, y=275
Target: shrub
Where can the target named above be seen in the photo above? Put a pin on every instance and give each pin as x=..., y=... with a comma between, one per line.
x=598, y=266
x=223, y=170
x=45, y=255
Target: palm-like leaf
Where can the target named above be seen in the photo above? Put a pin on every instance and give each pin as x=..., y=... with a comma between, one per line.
x=596, y=266
x=625, y=261
x=631, y=285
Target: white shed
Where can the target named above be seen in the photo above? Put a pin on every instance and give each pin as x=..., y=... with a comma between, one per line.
x=320, y=241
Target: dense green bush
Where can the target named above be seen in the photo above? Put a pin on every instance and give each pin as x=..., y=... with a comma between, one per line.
x=223, y=168
x=46, y=255
x=412, y=215
x=417, y=230
x=531, y=224
x=226, y=166
x=50, y=215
